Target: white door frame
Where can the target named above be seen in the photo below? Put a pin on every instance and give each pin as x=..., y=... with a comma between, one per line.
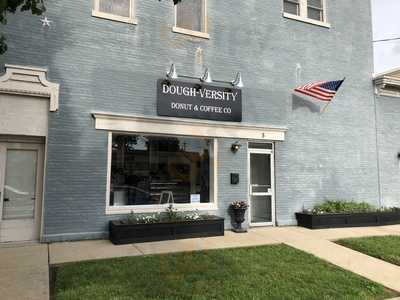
x=3, y=151
x=271, y=192
x=37, y=221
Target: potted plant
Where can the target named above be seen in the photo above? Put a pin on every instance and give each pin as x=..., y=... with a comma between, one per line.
x=336, y=214
x=239, y=209
x=170, y=225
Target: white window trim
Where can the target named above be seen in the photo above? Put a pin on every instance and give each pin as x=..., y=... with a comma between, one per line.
x=303, y=15
x=202, y=34
x=29, y=81
x=117, y=210
x=186, y=127
x=131, y=19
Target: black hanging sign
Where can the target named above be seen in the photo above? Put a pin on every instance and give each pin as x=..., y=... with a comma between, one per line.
x=198, y=101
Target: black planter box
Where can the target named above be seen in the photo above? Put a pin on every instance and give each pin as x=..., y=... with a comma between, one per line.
x=121, y=233
x=347, y=220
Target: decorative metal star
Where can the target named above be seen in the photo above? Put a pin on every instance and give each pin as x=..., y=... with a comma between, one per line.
x=46, y=22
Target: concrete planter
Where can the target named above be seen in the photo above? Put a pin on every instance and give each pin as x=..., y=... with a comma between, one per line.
x=347, y=220
x=121, y=233
x=239, y=218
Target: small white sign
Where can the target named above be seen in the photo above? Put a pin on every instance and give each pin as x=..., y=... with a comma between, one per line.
x=194, y=198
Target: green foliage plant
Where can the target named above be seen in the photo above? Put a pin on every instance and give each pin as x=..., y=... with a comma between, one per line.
x=339, y=206
x=171, y=214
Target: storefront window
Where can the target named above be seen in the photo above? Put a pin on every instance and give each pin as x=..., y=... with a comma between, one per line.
x=153, y=170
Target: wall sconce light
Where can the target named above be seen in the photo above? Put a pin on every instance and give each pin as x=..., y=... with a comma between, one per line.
x=172, y=74
x=235, y=147
x=206, y=77
x=238, y=82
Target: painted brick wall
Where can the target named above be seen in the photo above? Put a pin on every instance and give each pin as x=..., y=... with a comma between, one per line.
x=228, y=163
x=388, y=110
x=330, y=155
x=113, y=67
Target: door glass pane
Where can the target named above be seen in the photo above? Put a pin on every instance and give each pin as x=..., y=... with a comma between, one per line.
x=261, y=209
x=255, y=188
x=115, y=7
x=20, y=184
x=260, y=172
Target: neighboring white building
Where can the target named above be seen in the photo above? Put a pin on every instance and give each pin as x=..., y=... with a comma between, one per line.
x=386, y=27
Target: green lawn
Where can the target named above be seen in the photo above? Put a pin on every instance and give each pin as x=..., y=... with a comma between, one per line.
x=383, y=247
x=270, y=272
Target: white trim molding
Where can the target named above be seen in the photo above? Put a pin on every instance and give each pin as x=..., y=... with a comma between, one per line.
x=271, y=190
x=99, y=14
x=155, y=208
x=388, y=83
x=29, y=81
x=186, y=127
x=199, y=34
x=302, y=15
x=114, y=123
x=146, y=209
x=204, y=26
x=306, y=20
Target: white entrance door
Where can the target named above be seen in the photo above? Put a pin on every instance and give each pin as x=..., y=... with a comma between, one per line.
x=261, y=184
x=21, y=176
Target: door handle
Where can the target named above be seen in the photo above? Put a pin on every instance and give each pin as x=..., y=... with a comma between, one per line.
x=6, y=199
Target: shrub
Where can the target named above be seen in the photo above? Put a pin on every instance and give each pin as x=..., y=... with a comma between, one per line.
x=343, y=207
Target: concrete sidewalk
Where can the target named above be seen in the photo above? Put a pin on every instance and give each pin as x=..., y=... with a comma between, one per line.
x=24, y=272
x=88, y=250
x=24, y=268
x=369, y=267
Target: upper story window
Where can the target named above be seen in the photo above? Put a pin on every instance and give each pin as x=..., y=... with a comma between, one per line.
x=310, y=11
x=292, y=7
x=191, y=18
x=117, y=10
x=315, y=10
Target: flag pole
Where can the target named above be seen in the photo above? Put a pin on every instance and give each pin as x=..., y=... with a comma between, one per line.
x=326, y=106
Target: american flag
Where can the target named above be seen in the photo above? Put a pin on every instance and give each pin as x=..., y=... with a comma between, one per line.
x=322, y=90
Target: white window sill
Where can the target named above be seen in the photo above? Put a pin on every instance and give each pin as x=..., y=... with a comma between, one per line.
x=112, y=17
x=119, y=210
x=306, y=20
x=199, y=34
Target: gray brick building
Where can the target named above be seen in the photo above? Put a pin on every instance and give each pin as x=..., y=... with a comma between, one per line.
x=79, y=100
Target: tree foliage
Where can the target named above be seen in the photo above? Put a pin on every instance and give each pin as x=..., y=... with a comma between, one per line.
x=36, y=7
x=175, y=1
